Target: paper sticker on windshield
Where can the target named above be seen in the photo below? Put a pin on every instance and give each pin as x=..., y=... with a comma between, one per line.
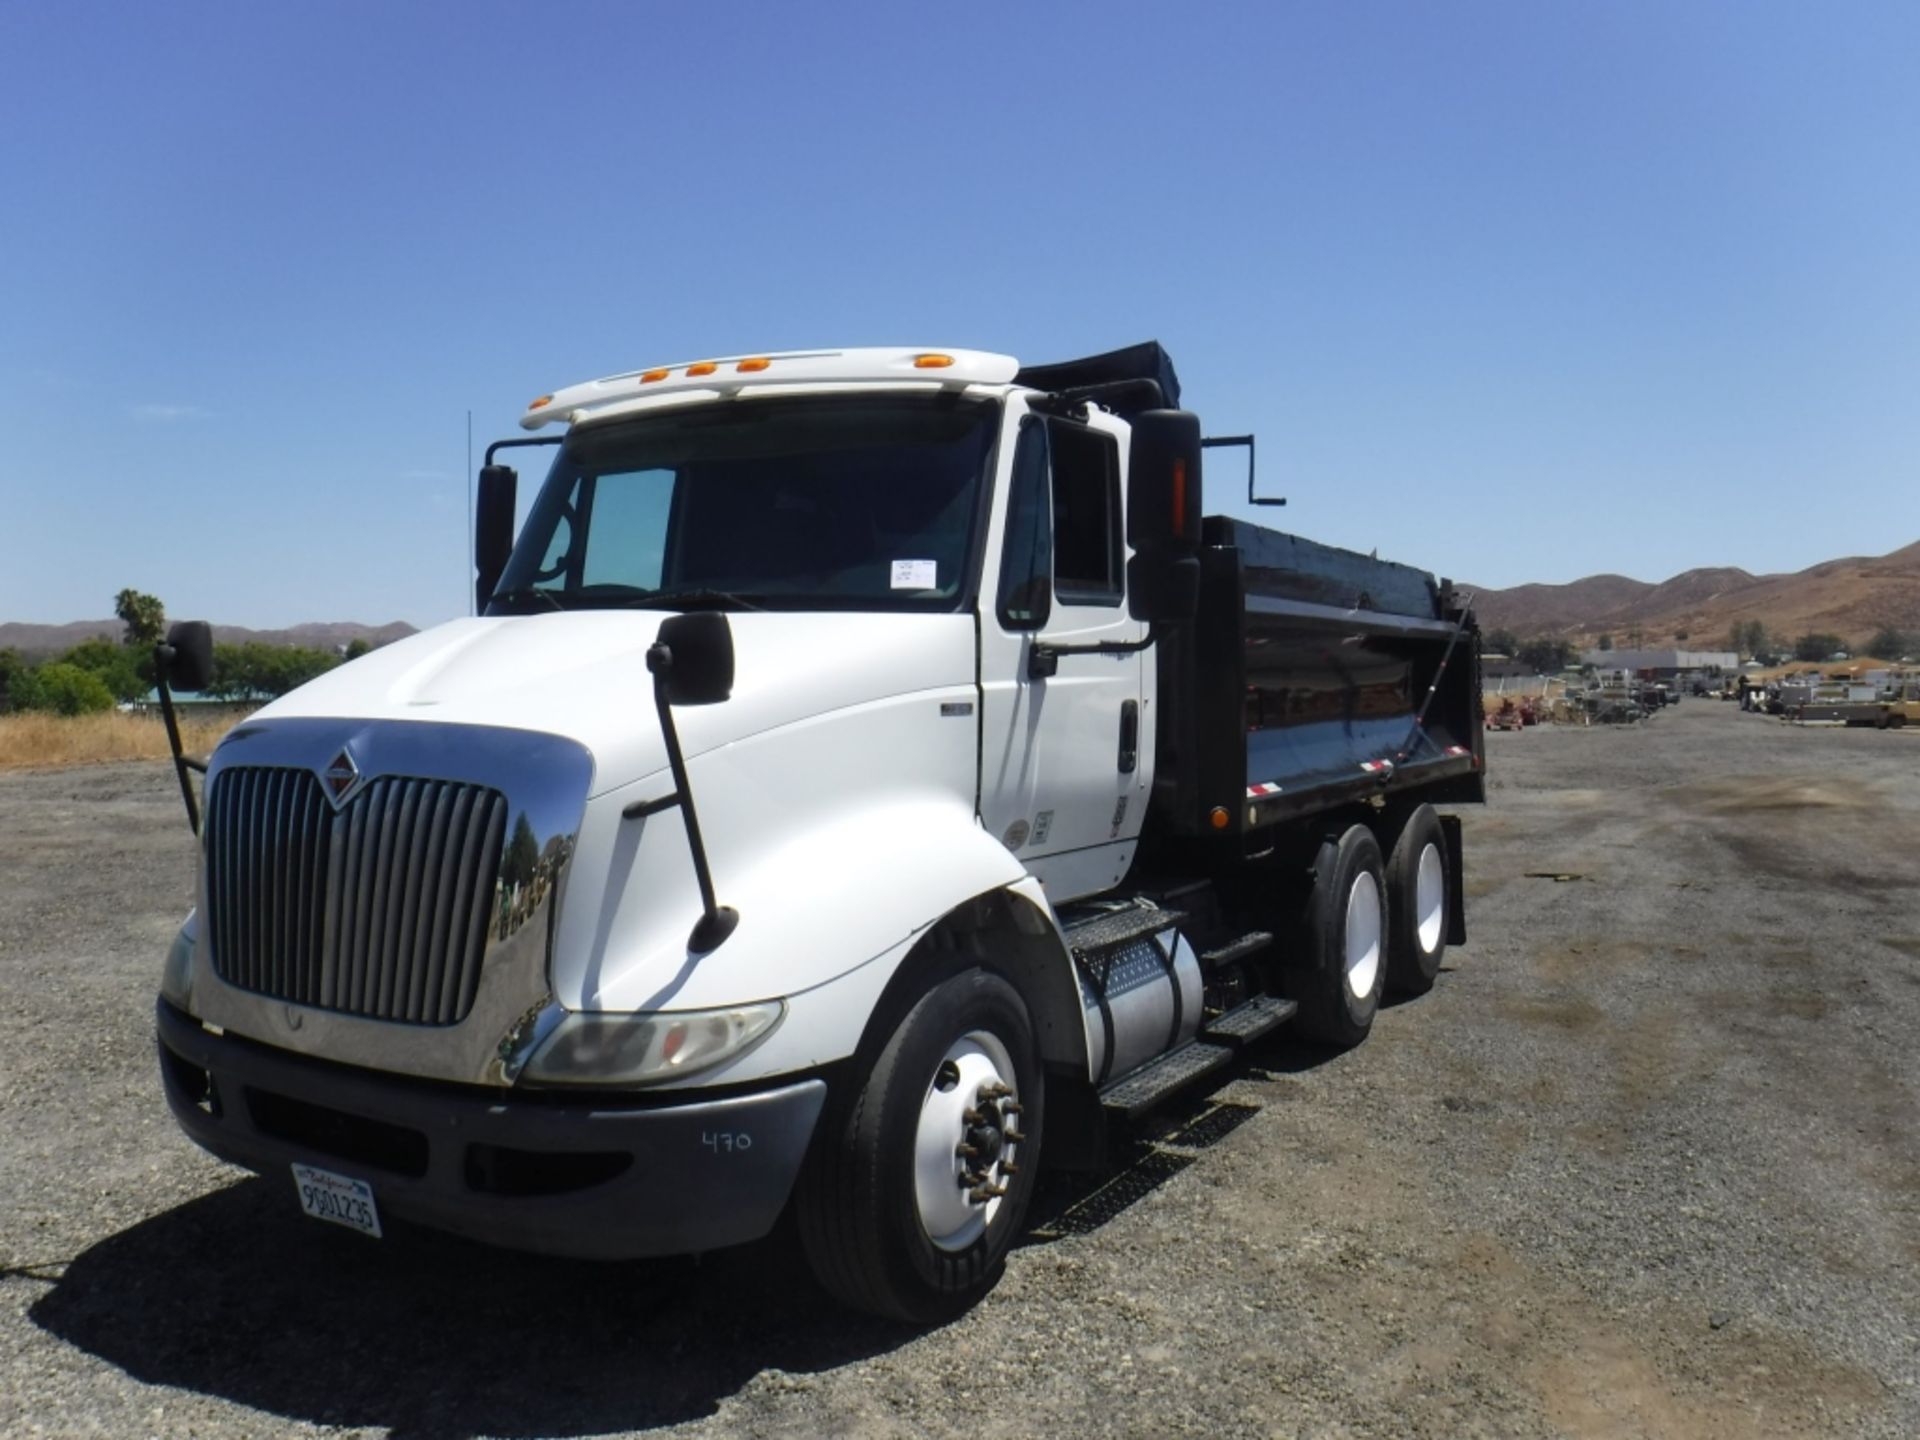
x=914, y=574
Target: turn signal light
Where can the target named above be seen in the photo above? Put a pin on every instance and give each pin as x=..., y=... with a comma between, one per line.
x=759, y=362
x=705, y=367
x=932, y=362
x=543, y=400
x=1219, y=817
x=647, y=377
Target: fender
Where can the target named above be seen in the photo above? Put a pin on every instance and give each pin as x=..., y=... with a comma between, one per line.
x=829, y=913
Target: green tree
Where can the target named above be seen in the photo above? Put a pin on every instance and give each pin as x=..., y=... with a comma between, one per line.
x=255, y=671
x=356, y=647
x=12, y=667
x=63, y=689
x=144, y=616
x=1888, y=643
x=1606, y=642
x=117, y=667
x=1545, y=655
x=1817, y=645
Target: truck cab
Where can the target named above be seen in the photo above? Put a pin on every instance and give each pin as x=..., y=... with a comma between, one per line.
x=795, y=823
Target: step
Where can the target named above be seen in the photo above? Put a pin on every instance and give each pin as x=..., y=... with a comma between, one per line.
x=1153, y=1082
x=1247, y=1022
x=1110, y=929
x=1251, y=943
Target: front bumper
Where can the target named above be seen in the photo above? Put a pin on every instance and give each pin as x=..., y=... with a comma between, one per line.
x=596, y=1177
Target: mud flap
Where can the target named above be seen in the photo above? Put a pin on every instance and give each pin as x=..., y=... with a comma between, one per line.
x=1456, y=881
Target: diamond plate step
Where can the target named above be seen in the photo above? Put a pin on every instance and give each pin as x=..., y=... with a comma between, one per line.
x=1247, y=1022
x=1252, y=943
x=1152, y=1083
x=1109, y=930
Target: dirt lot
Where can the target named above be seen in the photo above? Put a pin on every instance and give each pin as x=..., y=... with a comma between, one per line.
x=1646, y=1163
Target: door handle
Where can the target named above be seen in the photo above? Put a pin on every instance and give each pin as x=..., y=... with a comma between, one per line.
x=1129, y=735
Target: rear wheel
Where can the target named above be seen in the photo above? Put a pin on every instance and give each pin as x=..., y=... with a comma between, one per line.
x=1417, y=893
x=922, y=1176
x=1344, y=941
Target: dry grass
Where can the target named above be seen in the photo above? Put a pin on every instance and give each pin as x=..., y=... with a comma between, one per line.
x=48, y=742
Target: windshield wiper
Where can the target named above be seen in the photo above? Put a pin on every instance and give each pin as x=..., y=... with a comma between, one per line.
x=521, y=593
x=694, y=596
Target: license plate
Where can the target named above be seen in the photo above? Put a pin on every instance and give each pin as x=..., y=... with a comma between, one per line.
x=337, y=1199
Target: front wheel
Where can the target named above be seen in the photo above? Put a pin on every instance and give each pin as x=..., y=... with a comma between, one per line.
x=921, y=1179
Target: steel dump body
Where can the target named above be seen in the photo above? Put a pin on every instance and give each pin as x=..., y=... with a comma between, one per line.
x=1312, y=677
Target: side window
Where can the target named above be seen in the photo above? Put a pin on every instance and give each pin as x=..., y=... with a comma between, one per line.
x=1026, y=561
x=1086, y=515
x=627, y=516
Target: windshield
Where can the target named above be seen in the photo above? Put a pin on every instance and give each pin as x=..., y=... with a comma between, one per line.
x=861, y=503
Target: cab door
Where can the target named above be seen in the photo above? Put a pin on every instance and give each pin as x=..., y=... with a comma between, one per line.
x=1066, y=756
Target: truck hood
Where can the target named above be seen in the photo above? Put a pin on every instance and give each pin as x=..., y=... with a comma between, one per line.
x=583, y=674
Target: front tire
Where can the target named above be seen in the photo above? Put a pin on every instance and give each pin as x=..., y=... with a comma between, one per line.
x=921, y=1180
x=1344, y=935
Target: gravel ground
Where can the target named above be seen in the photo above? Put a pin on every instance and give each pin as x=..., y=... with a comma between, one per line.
x=1646, y=1163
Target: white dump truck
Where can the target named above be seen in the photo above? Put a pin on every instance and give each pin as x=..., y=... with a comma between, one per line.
x=868, y=777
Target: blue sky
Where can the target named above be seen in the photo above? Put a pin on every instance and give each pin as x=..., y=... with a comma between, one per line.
x=1513, y=292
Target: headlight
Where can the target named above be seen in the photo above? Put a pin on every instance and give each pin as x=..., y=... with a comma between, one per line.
x=176, y=981
x=588, y=1049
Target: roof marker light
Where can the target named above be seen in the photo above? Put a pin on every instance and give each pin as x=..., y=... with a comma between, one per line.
x=705, y=367
x=648, y=377
x=758, y=362
x=932, y=362
x=543, y=400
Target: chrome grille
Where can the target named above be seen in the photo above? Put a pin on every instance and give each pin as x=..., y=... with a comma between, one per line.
x=379, y=909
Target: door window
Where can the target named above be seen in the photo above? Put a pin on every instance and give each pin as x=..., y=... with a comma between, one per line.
x=1026, y=559
x=1086, y=514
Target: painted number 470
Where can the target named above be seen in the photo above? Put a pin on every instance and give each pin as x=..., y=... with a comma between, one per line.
x=726, y=1142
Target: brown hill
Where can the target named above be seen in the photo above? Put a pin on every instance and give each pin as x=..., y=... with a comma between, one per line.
x=35, y=641
x=1851, y=598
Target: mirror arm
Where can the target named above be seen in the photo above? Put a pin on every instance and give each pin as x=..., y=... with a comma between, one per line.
x=716, y=921
x=515, y=444
x=163, y=654
x=1043, y=659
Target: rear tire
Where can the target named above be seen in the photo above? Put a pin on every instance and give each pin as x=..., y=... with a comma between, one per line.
x=1417, y=898
x=1344, y=942
x=895, y=1216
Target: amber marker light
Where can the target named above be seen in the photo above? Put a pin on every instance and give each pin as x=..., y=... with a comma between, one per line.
x=648, y=377
x=759, y=362
x=1219, y=817
x=543, y=400
x=932, y=362
x=705, y=367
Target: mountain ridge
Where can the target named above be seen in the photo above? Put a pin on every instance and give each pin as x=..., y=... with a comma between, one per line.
x=1851, y=597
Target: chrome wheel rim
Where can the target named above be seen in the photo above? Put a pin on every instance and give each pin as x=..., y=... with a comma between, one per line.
x=1363, y=935
x=1430, y=899
x=966, y=1142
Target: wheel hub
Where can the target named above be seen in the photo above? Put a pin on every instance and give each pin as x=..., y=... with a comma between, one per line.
x=967, y=1141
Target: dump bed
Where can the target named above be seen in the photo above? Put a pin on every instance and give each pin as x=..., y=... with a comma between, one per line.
x=1312, y=677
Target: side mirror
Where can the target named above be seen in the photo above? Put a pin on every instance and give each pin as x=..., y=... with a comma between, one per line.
x=692, y=657
x=186, y=660
x=1163, y=483
x=492, y=529
x=1163, y=588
